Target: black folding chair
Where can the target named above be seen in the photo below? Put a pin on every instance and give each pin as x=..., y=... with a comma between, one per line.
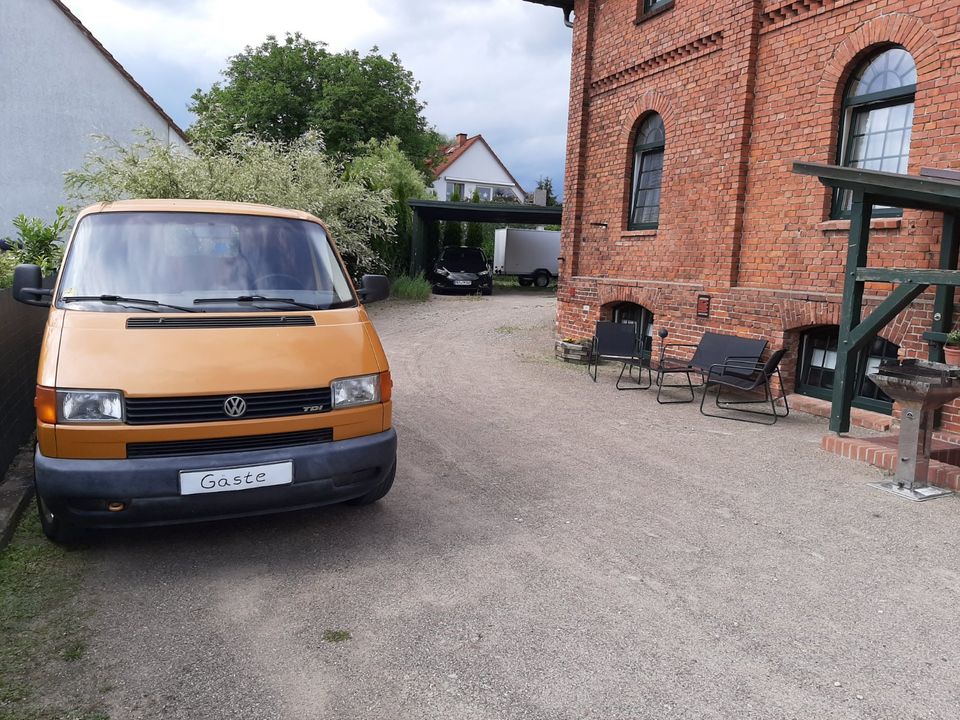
x=612, y=341
x=742, y=377
x=640, y=361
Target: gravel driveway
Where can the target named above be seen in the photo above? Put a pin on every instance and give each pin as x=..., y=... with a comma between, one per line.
x=551, y=549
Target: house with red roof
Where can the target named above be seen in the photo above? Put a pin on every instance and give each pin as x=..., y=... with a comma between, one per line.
x=469, y=165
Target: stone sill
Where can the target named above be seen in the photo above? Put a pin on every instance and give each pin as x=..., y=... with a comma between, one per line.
x=893, y=223
x=638, y=235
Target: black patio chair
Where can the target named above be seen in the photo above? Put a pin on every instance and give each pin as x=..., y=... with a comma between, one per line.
x=743, y=378
x=713, y=349
x=613, y=341
x=640, y=361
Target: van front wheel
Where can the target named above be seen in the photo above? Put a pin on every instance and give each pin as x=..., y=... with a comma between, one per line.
x=379, y=491
x=53, y=527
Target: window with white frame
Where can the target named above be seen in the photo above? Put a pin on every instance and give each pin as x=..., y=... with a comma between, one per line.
x=455, y=188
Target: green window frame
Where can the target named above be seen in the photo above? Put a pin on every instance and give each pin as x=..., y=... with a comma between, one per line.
x=650, y=7
x=647, y=174
x=815, y=371
x=876, y=124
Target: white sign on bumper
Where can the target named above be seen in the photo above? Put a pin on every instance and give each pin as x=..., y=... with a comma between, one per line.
x=195, y=482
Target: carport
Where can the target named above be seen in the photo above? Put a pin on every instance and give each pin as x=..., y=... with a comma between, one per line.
x=426, y=214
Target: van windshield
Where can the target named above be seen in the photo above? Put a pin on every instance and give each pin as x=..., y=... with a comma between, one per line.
x=213, y=262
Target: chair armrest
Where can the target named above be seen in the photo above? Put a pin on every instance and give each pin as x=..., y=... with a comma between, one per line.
x=752, y=367
x=665, y=345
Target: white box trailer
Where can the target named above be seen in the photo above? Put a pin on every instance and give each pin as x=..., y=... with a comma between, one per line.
x=532, y=256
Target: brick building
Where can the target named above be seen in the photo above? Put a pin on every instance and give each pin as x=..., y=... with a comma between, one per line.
x=685, y=119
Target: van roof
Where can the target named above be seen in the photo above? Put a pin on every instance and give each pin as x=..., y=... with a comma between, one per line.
x=196, y=206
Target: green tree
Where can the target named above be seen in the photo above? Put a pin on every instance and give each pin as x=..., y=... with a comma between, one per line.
x=474, y=230
x=452, y=234
x=382, y=166
x=546, y=183
x=298, y=175
x=279, y=90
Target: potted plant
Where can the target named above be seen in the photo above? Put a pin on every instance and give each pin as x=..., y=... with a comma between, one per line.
x=951, y=348
x=571, y=350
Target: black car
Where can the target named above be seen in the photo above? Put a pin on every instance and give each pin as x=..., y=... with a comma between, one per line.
x=462, y=268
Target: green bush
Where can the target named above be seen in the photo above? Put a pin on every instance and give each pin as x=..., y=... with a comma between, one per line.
x=383, y=166
x=37, y=243
x=298, y=175
x=411, y=288
x=7, y=263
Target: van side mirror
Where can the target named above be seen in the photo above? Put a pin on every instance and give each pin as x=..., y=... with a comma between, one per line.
x=374, y=288
x=28, y=286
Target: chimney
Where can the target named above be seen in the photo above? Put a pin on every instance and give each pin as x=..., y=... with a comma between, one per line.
x=461, y=139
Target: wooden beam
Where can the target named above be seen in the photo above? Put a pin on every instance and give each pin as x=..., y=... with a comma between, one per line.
x=943, y=301
x=883, y=314
x=904, y=275
x=845, y=374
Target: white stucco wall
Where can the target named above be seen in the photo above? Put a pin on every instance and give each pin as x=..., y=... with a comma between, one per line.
x=56, y=90
x=475, y=167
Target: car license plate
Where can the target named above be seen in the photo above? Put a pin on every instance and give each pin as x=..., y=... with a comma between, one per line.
x=461, y=282
x=195, y=482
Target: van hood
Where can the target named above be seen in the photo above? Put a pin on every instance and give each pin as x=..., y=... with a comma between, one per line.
x=99, y=351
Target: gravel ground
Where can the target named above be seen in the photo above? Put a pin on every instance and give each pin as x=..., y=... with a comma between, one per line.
x=551, y=549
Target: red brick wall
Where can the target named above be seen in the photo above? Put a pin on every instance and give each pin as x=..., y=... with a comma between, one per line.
x=745, y=88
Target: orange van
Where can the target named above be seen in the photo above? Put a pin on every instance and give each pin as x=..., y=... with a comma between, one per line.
x=205, y=360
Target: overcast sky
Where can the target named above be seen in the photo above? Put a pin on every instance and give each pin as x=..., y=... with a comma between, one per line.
x=497, y=67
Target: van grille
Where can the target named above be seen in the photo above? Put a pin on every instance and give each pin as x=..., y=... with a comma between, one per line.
x=212, y=446
x=209, y=408
x=243, y=321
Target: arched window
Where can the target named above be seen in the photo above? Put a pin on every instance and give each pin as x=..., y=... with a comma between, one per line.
x=877, y=120
x=818, y=362
x=641, y=317
x=647, y=171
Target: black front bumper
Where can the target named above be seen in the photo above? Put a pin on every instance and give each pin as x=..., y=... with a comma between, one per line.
x=473, y=283
x=78, y=491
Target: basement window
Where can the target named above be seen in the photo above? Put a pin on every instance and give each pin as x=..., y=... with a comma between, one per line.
x=818, y=362
x=640, y=317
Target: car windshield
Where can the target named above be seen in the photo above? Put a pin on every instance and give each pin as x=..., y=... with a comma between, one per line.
x=463, y=260
x=207, y=261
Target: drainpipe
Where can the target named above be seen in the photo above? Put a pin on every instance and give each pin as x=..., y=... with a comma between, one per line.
x=567, y=12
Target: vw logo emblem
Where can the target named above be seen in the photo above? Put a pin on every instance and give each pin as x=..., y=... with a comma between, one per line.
x=235, y=406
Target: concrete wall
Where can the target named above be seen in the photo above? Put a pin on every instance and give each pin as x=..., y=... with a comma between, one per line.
x=56, y=90
x=476, y=167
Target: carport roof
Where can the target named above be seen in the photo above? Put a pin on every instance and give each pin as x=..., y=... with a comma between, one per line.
x=567, y=5
x=430, y=210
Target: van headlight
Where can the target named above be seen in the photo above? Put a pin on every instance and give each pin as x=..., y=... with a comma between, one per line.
x=442, y=272
x=84, y=406
x=348, y=392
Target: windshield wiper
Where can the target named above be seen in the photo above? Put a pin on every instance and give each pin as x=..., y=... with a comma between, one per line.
x=256, y=298
x=120, y=299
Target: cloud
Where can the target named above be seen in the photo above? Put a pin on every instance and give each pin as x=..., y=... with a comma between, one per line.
x=497, y=67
